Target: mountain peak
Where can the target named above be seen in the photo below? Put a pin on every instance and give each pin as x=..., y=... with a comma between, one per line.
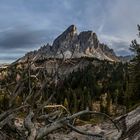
x=71, y=44
x=65, y=39
x=72, y=28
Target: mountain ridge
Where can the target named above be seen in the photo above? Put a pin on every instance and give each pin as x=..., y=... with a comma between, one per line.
x=70, y=44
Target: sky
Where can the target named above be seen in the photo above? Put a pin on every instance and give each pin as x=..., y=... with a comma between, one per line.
x=26, y=25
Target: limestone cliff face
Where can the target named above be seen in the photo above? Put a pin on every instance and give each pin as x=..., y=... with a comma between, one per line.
x=66, y=40
x=70, y=44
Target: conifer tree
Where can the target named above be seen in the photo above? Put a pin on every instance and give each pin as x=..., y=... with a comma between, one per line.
x=135, y=69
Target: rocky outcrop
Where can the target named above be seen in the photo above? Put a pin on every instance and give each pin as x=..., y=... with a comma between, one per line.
x=70, y=44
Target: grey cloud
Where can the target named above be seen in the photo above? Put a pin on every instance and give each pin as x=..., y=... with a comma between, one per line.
x=8, y=58
x=121, y=48
x=118, y=44
x=45, y=19
x=20, y=38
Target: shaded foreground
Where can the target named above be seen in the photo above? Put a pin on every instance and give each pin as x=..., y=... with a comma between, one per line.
x=34, y=127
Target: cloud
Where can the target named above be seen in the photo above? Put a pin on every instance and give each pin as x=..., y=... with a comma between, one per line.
x=24, y=38
x=121, y=18
x=26, y=25
x=110, y=38
x=121, y=48
x=100, y=28
x=11, y=57
x=119, y=45
x=18, y=40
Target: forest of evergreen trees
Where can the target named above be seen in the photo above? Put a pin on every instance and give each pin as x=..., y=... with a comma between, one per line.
x=81, y=88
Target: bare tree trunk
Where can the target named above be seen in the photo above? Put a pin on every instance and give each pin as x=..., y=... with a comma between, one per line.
x=130, y=125
x=29, y=125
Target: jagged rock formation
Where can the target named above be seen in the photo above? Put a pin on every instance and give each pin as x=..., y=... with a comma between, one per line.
x=70, y=44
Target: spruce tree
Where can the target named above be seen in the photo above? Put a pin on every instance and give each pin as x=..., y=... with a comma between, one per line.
x=135, y=69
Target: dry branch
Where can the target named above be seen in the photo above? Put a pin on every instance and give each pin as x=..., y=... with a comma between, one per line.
x=65, y=121
x=84, y=132
x=29, y=125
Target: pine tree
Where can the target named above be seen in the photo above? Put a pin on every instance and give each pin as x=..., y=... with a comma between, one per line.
x=135, y=69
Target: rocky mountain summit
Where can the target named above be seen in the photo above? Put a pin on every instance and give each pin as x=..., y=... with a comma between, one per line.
x=70, y=44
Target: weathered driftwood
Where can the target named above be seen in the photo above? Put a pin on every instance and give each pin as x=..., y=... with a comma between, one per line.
x=30, y=126
x=36, y=134
x=130, y=125
x=44, y=131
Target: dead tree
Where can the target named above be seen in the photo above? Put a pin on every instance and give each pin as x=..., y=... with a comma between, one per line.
x=129, y=125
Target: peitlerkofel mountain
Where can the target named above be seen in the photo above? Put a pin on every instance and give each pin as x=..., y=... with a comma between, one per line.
x=70, y=44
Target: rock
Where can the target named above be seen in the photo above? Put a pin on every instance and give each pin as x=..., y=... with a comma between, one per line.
x=66, y=39
x=71, y=44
